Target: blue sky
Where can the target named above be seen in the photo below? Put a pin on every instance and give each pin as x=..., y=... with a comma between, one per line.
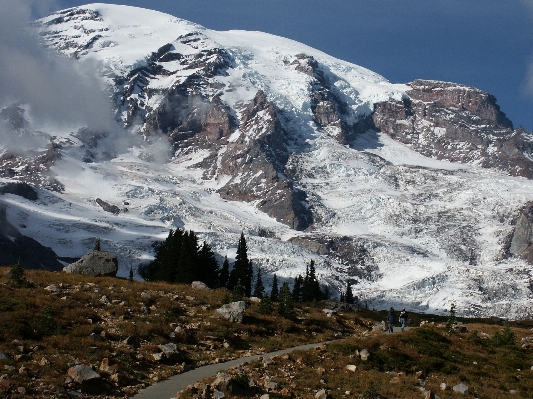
x=483, y=43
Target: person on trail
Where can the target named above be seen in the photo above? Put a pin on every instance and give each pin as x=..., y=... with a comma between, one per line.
x=391, y=320
x=403, y=318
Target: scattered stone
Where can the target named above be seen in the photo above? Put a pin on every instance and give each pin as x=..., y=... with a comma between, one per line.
x=54, y=289
x=75, y=394
x=118, y=379
x=218, y=395
x=265, y=396
x=255, y=299
x=444, y=386
x=131, y=341
x=3, y=356
x=234, y=311
x=23, y=371
x=95, y=263
x=21, y=390
x=82, y=374
x=419, y=375
x=364, y=354
x=199, y=285
x=272, y=385
x=146, y=296
x=171, y=353
x=222, y=382
x=322, y=394
x=461, y=388
x=351, y=367
x=44, y=362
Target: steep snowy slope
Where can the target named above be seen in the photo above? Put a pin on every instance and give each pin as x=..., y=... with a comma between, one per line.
x=312, y=157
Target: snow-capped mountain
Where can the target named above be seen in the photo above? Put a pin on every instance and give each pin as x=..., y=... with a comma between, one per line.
x=417, y=194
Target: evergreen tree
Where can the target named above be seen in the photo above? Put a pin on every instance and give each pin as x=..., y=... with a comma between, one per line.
x=16, y=276
x=238, y=292
x=286, y=302
x=274, y=292
x=451, y=318
x=224, y=273
x=265, y=306
x=242, y=268
x=97, y=245
x=348, y=296
x=208, y=266
x=131, y=273
x=297, y=289
x=342, y=298
x=259, y=289
x=179, y=259
x=311, y=287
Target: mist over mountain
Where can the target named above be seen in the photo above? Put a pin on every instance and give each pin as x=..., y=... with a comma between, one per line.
x=418, y=194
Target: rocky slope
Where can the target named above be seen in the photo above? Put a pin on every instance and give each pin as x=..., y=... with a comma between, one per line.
x=412, y=193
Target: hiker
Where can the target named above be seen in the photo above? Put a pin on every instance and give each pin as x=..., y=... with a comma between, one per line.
x=403, y=318
x=391, y=320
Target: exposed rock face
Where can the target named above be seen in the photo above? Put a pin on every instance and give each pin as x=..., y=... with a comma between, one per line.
x=15, y=246
x=330, y=107
x=257, y=160
x=457, y=123
x=522, y=239
x=21, y=189
x=95, y=263
x=115, y=210
x=233, y=311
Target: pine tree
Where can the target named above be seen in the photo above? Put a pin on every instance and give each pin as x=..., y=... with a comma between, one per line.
x=342, y=298
x=348, y=296
x=259, y=289
x=286, y=302
x=224, y=273
x=238, y=292
x=274, y=292
x=451, y=318
x=265, y=306
x=16, y=276
x=297, y=289
x=242, y=268
x=97, y=245
x=311, y=287
x=207, y=270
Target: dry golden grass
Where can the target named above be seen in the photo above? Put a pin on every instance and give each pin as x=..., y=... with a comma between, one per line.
x=491, y=371
x=87, y=319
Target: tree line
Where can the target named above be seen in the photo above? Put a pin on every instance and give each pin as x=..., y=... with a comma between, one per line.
x=181, y=259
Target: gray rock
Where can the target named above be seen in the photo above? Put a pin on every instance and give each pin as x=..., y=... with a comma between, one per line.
x=222, y=381
x=171, y=353
x=83, y=374
x=146, y=296
x=3, y=356
x=95, y=263
x=271, y=385
x=364, y=354
x=199, y=285
x=218, y=395
x=461, y=388
x=322, y=394
x=233, y=311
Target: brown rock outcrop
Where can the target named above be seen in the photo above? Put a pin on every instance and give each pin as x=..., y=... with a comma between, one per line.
x=458, y=123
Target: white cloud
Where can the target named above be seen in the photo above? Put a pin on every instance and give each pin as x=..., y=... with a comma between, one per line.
x=57, y=91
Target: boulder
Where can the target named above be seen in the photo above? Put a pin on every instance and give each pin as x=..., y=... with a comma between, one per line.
x=84, y=375
x=171, y=353
x=351, y=367
x=233, y=311
x=461, y=388
x=364, y=354
x=199, y=285
x=95, y=263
